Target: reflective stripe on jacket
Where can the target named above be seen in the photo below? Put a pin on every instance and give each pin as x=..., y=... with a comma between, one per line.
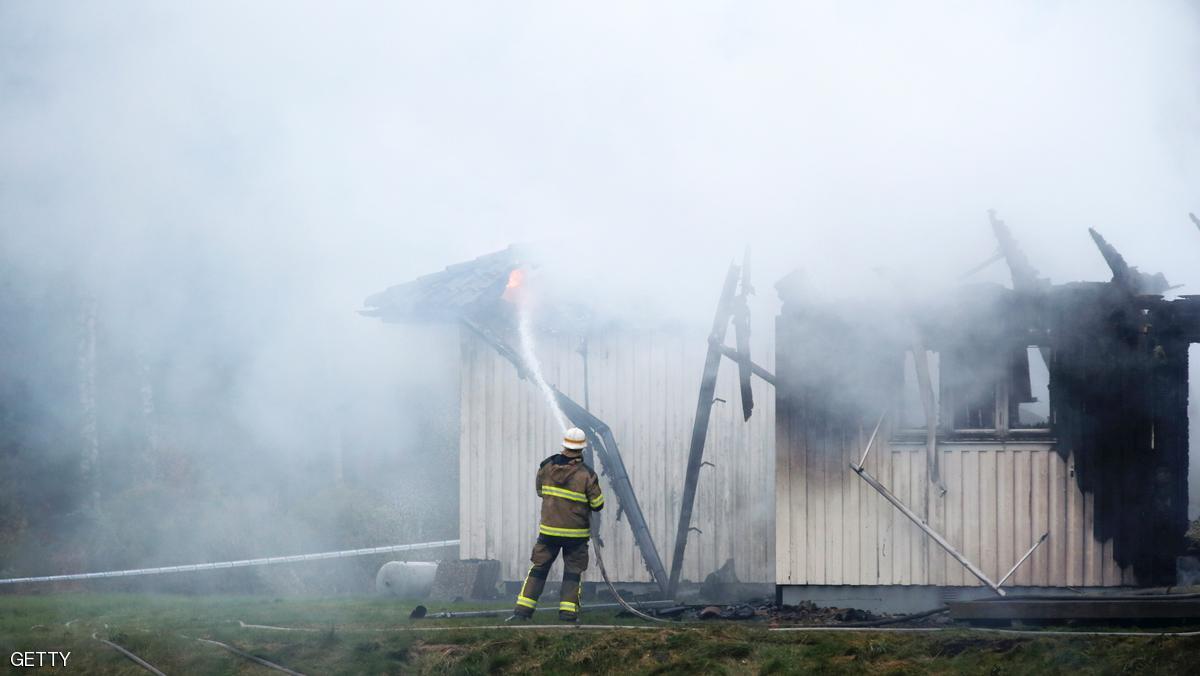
x=570, y=492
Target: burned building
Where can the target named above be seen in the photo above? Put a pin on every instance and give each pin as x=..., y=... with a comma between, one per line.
x=1044, y=417
x=903, y=449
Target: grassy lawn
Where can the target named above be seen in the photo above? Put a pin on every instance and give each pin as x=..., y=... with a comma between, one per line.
x=366, y=636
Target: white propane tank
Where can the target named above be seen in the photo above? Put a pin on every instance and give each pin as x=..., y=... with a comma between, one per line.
x=405, y=579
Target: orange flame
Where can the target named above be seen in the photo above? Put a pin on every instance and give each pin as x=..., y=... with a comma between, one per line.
x=512, y=290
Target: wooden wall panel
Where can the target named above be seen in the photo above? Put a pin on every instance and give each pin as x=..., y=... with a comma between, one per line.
x=879, y=463
x=644, y=386
x=953, y=500
x=1056, y=548
x=1075, y=535
x=902, y=561
x=1022, y=503
x=868, y=566
x=1039, y=562
x=1007, y=548
x=999, y=499
x=815, y=516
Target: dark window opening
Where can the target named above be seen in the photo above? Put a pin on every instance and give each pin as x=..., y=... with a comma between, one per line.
x=970, y=389
x=1029, y=398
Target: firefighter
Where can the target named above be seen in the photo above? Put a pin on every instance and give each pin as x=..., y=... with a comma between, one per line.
x=570, y=492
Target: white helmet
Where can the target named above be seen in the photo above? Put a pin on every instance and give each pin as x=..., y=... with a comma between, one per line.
x=575, y=439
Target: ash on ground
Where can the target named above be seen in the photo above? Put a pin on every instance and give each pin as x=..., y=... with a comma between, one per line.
x=805, y=613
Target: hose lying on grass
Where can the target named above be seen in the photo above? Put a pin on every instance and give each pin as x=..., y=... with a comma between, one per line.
x=136, y=660
x=617, y=596
x=252, y=658
x=420, y=613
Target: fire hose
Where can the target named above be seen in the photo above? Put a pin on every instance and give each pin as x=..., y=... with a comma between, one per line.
x=615, y=593
x=129, y=654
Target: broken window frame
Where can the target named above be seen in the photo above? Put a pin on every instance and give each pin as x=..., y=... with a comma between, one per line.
x=1013, y=426
x=1002, y=391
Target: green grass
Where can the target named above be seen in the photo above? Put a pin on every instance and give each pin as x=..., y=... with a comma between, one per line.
x=362, y=636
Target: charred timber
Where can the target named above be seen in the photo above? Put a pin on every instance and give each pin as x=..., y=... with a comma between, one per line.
x=1024, y=276
x=754, y=368
x=741, y=335
x=708, y=387
x=1126, y=276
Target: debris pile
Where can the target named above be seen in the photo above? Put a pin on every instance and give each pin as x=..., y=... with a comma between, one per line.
x=763, y=610
x=807, y=612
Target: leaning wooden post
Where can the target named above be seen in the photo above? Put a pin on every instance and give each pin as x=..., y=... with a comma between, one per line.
x=708, y=387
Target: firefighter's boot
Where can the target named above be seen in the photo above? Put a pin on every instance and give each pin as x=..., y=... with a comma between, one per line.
x=568, y=605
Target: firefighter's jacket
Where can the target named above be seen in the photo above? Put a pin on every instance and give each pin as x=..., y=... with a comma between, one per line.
x=570, y=492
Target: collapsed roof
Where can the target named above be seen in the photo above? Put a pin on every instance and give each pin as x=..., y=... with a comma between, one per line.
x=566, y=293
x=462, y=289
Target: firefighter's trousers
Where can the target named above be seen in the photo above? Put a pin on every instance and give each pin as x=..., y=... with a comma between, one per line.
x=575, y=561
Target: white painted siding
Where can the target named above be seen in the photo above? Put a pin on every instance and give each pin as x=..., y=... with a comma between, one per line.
x=832, y=528
x=644, y=386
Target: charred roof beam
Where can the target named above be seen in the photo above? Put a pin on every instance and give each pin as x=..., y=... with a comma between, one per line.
x=1024, y=276
x=704, y=403
x=1126, y=276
